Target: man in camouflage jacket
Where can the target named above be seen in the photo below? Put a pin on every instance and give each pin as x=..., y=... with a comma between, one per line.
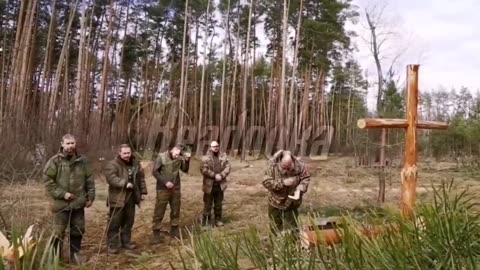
x=126, y=188
x=71, y=187
x=215, y=168
x=166, y=171
x=284, y=175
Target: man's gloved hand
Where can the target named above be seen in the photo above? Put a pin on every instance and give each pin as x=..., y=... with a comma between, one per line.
x=129, y=186
x=142, y=198
x=218, y=177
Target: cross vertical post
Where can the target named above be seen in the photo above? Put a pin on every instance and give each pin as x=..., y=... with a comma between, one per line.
x=409, y=172
x=410, y=124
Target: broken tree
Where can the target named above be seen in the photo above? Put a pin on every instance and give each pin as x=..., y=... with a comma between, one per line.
x=409, y=171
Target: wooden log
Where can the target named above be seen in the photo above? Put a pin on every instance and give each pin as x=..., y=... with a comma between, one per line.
x=409, y=171
x=398, y=123
x=330, y=237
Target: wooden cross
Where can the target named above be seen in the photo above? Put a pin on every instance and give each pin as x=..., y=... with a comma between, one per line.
x=409, y=171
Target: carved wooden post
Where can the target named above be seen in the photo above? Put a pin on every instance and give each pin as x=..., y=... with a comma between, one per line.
x=409, y=171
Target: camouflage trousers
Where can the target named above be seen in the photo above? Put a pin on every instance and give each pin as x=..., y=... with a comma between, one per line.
x=164, y=198
x=215, y=199
x=281, y=220
x=74, y=220
x=121, y=221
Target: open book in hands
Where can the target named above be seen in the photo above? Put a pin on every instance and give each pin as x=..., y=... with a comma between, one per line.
x=296, y=195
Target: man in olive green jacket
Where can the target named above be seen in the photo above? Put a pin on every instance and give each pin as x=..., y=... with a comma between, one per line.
x=126, y=188
x=215, y=168
x=71, y=188
x=166, y=171
x=287, y=180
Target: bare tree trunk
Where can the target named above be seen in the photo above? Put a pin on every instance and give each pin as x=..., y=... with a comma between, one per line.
x=243, y=113
x=24, y=60
x=78, y=113
x=202, y=83
x=66, y=44
x=16, y=64
x=233, y=95
x=2, y=81
x=281, y=100
x=376, y=56
x=182, y=69
x=253, y=113
x=381, y=176
x=294, y=71
x=349, y=117
x=222, y=90
x=306, y=93
x=195, y=75
x=106, y=63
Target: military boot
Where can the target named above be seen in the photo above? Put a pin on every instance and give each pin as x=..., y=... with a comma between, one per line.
x=175, y=232
x=218, y=220
x=75, y=245
x=126, y=242
x=205, y=220
x=77, y=258
x=113, y=243
x=156, y=237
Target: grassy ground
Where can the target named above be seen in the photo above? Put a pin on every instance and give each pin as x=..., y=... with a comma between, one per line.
x=336, y=186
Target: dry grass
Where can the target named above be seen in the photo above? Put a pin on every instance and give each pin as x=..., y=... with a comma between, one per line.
x=335, y=186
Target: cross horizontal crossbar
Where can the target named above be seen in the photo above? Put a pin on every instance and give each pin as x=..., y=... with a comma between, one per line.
x=398, y=123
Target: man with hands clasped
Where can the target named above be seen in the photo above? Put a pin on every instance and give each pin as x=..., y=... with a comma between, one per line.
x=215, y=168
x=70, y=185
x=286, y=180
x=126, y=188
x=166, y=171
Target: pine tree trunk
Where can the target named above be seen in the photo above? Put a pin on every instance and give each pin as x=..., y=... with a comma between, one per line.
x=202, y=83
x=183, y=69
x=281, y=99
x=293, y=78
x=222, y=90
x=78, y=113
x=106, y=65
x=54, y=94
x=243, y=113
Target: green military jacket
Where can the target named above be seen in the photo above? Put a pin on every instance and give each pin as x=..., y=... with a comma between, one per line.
x=208, y=173
x=74, y=175
x=116, y=172
x=273, y=182
x=167, y=170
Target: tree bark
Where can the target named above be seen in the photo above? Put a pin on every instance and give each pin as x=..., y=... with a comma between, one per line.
x=281, y=99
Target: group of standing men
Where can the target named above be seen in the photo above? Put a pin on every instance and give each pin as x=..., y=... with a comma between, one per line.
x=71, y=188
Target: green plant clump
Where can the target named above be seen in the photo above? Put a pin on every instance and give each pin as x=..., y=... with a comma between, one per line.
x=444, y=234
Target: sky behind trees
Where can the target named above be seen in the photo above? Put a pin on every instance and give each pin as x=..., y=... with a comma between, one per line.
x=439, y=35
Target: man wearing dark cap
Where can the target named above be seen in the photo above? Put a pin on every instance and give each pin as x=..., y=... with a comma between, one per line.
x=166, y=171
x=286, y=179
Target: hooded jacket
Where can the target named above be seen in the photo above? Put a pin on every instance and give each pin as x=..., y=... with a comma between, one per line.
x=63, y=174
